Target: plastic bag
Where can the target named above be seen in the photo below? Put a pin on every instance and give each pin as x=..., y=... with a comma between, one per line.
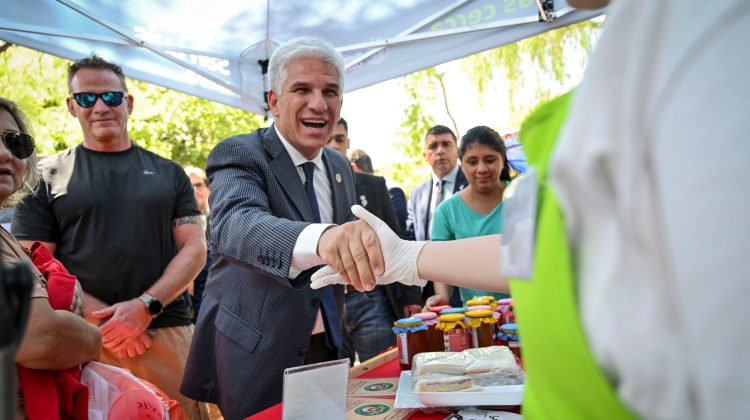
x=115, y=394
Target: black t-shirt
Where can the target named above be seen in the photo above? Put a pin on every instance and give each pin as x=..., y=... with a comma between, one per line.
x=110, y=215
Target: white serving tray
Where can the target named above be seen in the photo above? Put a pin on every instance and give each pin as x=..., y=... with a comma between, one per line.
x=489, y=396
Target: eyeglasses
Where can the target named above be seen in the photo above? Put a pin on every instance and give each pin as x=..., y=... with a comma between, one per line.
x=88, y=99
x=21, y=145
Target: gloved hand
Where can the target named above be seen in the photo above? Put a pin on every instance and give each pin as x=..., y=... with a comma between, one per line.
x=400, y=256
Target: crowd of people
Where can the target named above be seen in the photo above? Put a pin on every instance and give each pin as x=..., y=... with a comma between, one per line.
x=209, y=284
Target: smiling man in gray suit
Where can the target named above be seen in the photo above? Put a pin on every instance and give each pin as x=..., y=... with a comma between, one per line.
x=277, y=196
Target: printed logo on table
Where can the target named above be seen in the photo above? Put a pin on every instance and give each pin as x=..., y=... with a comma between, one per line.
x=379, y=387
x=372, y=410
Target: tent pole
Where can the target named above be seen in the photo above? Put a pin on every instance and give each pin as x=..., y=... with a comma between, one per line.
x=411, y=37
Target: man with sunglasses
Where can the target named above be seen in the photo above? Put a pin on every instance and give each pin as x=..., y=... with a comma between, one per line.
x=126, y=223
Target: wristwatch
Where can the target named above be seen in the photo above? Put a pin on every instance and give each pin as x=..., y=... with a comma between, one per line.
x=153, y=305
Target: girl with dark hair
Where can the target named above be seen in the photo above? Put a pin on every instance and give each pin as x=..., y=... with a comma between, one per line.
x=477, y=209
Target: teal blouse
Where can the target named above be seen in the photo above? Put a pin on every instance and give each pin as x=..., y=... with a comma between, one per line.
x=453, y=219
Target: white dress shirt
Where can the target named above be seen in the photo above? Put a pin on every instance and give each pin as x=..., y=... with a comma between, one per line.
x=305, y=253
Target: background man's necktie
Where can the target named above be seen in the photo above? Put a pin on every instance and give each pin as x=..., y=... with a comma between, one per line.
x=440, y=192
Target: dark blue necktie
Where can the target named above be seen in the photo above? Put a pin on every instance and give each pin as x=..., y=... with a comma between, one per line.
x=327, y=299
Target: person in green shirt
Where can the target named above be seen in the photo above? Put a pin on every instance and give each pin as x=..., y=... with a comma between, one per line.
x=477, y=209
x=609, y=317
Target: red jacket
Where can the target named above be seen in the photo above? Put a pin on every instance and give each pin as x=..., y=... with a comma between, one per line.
x=52, y=395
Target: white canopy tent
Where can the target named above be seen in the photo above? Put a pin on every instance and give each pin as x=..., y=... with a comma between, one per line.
x=218, y=49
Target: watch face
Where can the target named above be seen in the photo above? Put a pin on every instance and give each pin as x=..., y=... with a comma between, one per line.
x=155, y=307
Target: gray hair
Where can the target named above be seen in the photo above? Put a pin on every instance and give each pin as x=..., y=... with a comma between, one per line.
x=304, y=47
x=30, y=178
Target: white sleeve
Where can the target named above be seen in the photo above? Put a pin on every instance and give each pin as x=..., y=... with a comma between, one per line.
x=305, y=253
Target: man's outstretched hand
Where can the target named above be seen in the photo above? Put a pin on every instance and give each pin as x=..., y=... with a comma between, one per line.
x=354, y=251
x=396, y=258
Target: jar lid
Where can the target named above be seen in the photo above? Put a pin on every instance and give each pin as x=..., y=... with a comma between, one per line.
x=408, y=322
x=425, y=315
x=478, y=301
x=479, y=313
x=451, y=317
x=439, y=308
x=509, y=327
x=452, y=311
x=478, y=308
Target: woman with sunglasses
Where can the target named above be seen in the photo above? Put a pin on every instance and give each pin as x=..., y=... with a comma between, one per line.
x=477, y=209
x=53, y=340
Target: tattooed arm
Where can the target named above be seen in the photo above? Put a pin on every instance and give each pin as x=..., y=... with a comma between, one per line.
x=187, y=263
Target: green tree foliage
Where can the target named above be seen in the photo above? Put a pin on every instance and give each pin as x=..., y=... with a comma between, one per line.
x=419, y=88
x=172, y=124
x=537, y=68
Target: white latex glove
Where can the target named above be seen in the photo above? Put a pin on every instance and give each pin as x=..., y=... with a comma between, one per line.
x=400, y=256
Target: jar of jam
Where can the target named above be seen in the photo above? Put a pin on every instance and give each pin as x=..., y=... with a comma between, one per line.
x=486, y=300
x=455, y=337
x=481, y=326
x=492, y=301
x=411, y=335
x=477, y=301
x=505, y=307
x=452, y=311
x=438, y=309
x=434, y=340
x=509, y=336
x=478, y=308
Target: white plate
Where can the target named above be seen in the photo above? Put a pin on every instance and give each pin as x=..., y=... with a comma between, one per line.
x=490, y=395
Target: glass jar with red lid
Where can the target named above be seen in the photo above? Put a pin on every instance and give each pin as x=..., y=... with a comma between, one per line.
x=434, y=340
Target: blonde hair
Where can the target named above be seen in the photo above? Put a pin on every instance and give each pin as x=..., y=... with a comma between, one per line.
x=194, y=170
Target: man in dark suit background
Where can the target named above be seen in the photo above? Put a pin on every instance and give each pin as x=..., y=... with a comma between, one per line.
x=361, y=162
x=274, y=193
x=369, y=315
x=441, y=152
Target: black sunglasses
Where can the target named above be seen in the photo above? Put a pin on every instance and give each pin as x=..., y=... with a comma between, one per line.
x=88, y=99
x=21, y=145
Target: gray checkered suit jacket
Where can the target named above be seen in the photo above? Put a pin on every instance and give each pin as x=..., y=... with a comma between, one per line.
x=254, y=322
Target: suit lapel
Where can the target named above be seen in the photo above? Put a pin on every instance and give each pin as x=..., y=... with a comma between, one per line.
x=286, y=173
x=336, y=175
x=361, y=190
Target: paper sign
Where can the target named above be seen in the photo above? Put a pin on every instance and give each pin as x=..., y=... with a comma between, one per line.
x=519, y=226
x=380, y=387
x=374, y=409
x=316, y=391
x=479, y=414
